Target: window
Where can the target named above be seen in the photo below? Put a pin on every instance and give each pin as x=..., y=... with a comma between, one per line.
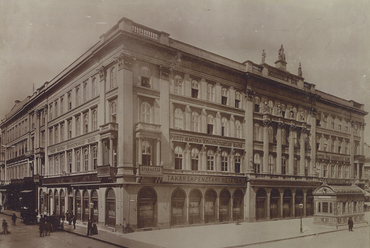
x=69, y=129
x=62, y=105
x=179, y=119
x=178, y=158
x=113, y=78
x=339, y=171
x=295, y=165
x=178, y=85
x=69, y=98
x=257, y=163
x=257, y=132
x=50, y=136
x=78, y=96
x=78, y=161
x=283, y=165
x=56, y=108
x=85, y=91
x=70, y=162
x=51, y=165
x=95, y=158
x=56, y=172
x=62, y=163
x=94, y=120
x=271, y=164
x=238, y=127
x=42, y=139
x=113, y=111
x=50, y=111
x=145, y=77
x=224, y=96
x=43, y=117
x=94, y=88
x=325, y=207
x=86, y=123
x=238, y=98
x=332, y=171
x=86, y=160
x=210, y=92
x=210, y=160
x=325, y=171
x=224, y=127
x=146, y=153
x=210, y=124
x=194, y=89
x=146, y=112
x=195, y=122
x=78, y=126
x=56, y=134
x=224, y=161
x=194, y=159
x=237, y=162
x=257, y=102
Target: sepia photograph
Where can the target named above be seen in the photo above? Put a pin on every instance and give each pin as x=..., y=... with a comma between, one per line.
x=184, y=123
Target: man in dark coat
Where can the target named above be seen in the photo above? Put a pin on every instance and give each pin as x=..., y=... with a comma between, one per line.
x=89, y=227
x=14, y=218
x=74, y=222
x=350, y=224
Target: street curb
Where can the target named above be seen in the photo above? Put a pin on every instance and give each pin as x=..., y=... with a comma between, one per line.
x=101, y=240
x=296, y=237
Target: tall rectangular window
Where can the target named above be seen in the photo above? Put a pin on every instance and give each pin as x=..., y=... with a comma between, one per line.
x=178, y=158
x=78, y=97
x=94, y=120
x=237, y=163
x=69, y=98
x=69, y=129
x=56, y=108
x=86, y=91
x=50, y=136
x=86, y=123
x=78, y=126
x=95, y=158
x=94, y=88
x=62, y=105
x=62, y=132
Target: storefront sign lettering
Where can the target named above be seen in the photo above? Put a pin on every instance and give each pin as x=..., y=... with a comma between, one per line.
x=204, y=179
x=207, y=141
x=150, y=170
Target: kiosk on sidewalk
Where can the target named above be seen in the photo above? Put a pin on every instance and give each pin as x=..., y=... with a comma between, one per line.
x=334, y=204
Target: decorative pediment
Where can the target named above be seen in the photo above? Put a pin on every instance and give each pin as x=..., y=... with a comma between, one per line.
x=325, y=190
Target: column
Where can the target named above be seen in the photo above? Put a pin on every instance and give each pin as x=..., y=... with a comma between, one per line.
x=281, y=203
x=218, y=208
x=158, y=155
x=302, y=153
x=278, y=149
x=291, y=152
x=139, y=151
x=203, y=209
x=187, y=209
x=293, y=204
x=265, y=168
x=304, y=202
x=268, y=191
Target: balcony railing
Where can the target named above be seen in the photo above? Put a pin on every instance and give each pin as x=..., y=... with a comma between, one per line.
x=109, y=127
x=106, y=171
x=148, y=127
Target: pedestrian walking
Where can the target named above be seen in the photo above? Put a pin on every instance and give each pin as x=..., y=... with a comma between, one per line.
x=89, y=228
x=14, y=218
x=5, y=227
x=74, y=222
x=350, y=224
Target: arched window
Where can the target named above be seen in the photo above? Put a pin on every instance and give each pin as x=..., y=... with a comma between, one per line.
x=210, y=124
x=225, y=127
x=179, y=119
x=146, y=112
x=194, y=159
x=194, y=89
x=86, y=123
x=178, y=85
x=95, y=157
x=78, y=161
x=178, y=158
x=238, y=127
x=195, y=121
x=113, y=111
x=238, y=99
x=145, y=77
x=86, y=160
x=210, y=92
x=225, y=96
x=113, y=78
x=257, y=163
x=210, y=160
x=146, y=153
x=224, y=161
x=110, y=211
x=94, y=120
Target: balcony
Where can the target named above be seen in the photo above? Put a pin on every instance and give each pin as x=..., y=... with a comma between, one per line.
x=148, y=127
x=108, y=130
x=107, y=172
x=360, y=159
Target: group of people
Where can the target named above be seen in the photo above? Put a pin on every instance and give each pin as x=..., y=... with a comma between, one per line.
x=71, y=219
x=92, y=228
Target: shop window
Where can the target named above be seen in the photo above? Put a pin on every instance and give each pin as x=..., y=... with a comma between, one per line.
x=224, y=96
x=178, y=158
x=257, y=163
x=146, y=112
x=110, y=203
x=224, y=161
x=237, y=160
x=195, y=122
x=178, y=208
x=147, y=213
x=179, y=119
x=194, y=159
x=178, y=85
x=146, y=155
x=194, y=89
x=210, y=160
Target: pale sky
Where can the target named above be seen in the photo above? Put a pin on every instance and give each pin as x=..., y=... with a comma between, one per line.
x=331, y=38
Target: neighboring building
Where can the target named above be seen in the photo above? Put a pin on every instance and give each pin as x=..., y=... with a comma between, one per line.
x=161, y=133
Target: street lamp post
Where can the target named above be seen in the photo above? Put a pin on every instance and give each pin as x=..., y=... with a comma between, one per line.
x=301, y=208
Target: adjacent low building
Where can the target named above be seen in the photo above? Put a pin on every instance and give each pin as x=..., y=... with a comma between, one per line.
x=164, y=134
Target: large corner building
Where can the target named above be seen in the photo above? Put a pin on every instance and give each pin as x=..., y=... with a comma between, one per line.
x=163, y=134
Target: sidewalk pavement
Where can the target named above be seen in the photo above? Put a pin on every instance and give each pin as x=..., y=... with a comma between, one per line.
x=216, y=235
